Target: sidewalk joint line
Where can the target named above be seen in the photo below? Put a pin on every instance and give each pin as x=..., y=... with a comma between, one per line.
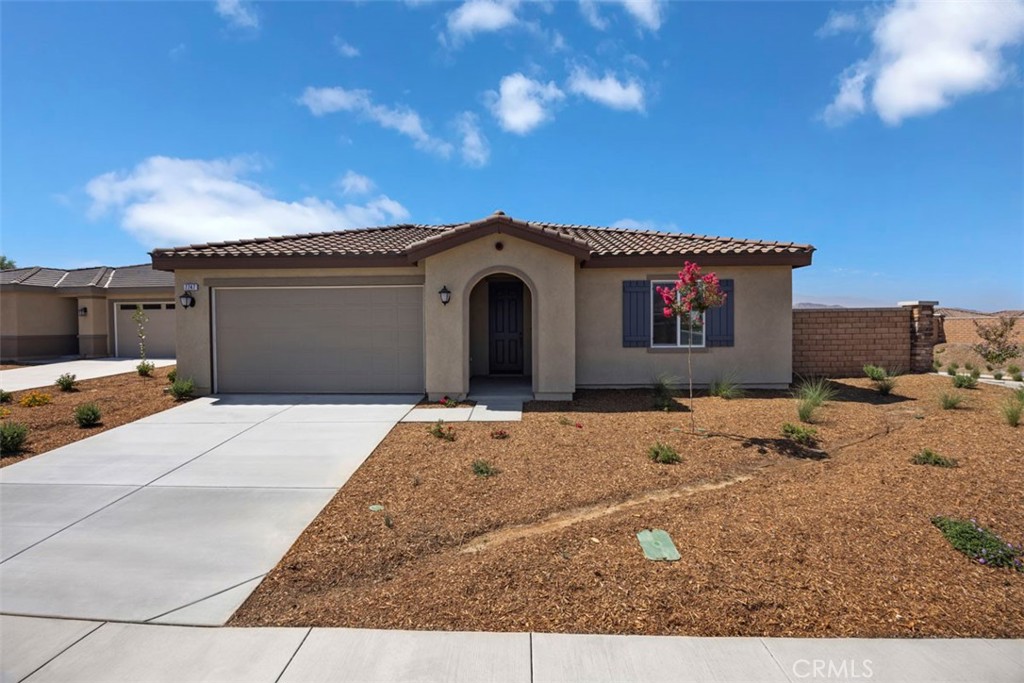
x=289, y=662
x=77, y=641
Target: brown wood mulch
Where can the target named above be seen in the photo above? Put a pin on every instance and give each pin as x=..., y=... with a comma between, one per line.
x=121, y=398
x=774, y=542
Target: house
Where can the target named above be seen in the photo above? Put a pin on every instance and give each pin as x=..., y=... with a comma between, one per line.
x=87, y=312
x=413, y=308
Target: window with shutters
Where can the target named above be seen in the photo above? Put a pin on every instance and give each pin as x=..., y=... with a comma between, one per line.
x=673, y=331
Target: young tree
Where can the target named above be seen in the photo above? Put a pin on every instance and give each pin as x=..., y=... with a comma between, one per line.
x=689, y=299
x=997, y=346
x=7, y=263
x=140, y=318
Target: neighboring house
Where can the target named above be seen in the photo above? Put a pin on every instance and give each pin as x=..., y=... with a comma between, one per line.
x=87, y=312
x=568, y=306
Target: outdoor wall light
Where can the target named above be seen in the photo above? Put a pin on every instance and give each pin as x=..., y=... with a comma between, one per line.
x=83, y=311
x=445, y=295
x=187, y=300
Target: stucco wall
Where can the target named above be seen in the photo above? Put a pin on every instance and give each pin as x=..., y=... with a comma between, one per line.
x=193, y=325
x=762, y=354
x=37, y=325
x=550, y=277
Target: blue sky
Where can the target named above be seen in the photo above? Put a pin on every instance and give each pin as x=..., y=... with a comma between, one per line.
x=890, y=136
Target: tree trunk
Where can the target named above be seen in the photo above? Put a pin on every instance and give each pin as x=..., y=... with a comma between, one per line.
x=689, y=373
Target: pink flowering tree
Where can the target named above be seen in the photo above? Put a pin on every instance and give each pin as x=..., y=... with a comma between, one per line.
x=688, y=299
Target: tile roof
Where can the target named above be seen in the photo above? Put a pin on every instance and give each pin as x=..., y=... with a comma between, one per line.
x=104, y=277
x=399, y=240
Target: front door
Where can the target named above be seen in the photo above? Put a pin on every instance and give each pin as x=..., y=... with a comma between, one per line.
x=506, y=328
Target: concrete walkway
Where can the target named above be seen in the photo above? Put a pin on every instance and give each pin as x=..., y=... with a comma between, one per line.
x=177, y=517
x=38, y=376
x=59, y=651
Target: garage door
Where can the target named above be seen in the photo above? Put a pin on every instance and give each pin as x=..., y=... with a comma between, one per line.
x=159, y=330
x=319, y=340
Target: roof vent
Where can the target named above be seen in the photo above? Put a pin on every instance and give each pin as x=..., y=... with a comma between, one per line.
x=499, y=212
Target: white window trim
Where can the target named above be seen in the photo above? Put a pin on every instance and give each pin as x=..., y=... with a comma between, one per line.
x=703, y=320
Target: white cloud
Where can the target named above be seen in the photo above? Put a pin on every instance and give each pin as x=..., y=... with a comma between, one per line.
x=647, y=13
x=344, y=48
x=475, y=149
x=609, y=90
x=928, y=54
x=177, y=52
x=165, y=201
x=522, y=104
x=239, y=14
x=839, y=22
x=353, y=183
x=593, y=16
x=321, y=101
x=481, y=16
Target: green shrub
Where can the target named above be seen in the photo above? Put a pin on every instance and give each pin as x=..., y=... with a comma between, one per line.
x=12, y=437
x=950, y=401
x=182, y=389
x=664, y=393
x=969, y=367
x=441, y=431
x=87, y=415
x=816, y=391
x=805, y=410
x=805, y=436
x=964, y=382
x=172, y=375
x=1013, y=369
x=482, y=468
x=930, y=457
x=997, y=375
x=727, y=388
x=975, y=373
x=936, y=365
x=6, y=396
x=952, y=368
x=1016, y=377
x=883, y=379
x=979, y=544
x=663, y=454
x=875, y=373
x=145, y=368
x=66, y=382
x=34, y=399
x=1011, y=410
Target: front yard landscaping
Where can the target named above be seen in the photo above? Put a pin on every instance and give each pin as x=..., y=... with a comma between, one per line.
x=833, y=537
x=53, y=416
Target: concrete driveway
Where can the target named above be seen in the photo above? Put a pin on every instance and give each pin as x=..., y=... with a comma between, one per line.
x=177, y=517
x=36, y=376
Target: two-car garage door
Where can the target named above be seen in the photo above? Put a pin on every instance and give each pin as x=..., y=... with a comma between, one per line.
x=319, y=339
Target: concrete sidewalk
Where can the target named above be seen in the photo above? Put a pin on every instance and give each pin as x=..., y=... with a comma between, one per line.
x=39, y=376
x=51, y=650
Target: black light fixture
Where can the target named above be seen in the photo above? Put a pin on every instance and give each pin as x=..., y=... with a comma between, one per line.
x=187, y=300
x=83, y=311
x=445, y=295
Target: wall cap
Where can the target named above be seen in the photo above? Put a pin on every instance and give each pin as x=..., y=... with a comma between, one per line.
x=917, y=303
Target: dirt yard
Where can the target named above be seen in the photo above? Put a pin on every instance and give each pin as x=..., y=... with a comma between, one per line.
x=121, y=398
x=962, y=354
x=775, y=540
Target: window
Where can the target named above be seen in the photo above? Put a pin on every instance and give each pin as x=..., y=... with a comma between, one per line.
x=673, y=331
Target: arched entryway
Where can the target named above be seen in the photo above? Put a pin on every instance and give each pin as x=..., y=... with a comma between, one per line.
x=501, y=331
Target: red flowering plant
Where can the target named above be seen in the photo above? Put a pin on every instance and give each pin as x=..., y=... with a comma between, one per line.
x=688, y=299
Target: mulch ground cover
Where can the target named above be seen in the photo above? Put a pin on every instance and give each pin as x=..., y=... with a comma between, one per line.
x=121, y=399
x=964, y=354
x=775, y=539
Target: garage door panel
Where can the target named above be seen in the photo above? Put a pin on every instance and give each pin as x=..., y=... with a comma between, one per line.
x=160, y=330
x=320, y=340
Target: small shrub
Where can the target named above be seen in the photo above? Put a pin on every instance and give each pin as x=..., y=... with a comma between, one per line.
x=482, y=468
x=969, y=367
x=805, y=436
x=1019, y=395
x=34, y=399
x=499, y=434
x=664, y=394
x=12, y=437
x=172, y=375
x=1013, y=369
x=805, y=410
x=727, y=388
x=988, y=366
x=1017, y=377
x=874, y=372
x=950, y=401
x=6, y=396
x=182, y=389
x=448, y=402
x=663, y=454
x=87, y=415
x=997, y=375
x=952, y=368
x=1011, y=410
x=816, y=391
x=975, y=373
x=145, y=368
x=66, y=382
x=979, y=544
x=564, y=421
x=936, y=365
x=964, y=382
x=997, y=340
x=883, y=379
x=442, y=431
x=930, y=457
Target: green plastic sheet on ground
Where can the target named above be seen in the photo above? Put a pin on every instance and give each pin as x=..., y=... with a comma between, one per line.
x=657, y=545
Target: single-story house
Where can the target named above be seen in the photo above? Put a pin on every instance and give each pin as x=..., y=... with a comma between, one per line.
x=86, y=312
x=414, y=308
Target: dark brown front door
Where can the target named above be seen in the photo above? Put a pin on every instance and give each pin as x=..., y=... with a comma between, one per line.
x=506, y=328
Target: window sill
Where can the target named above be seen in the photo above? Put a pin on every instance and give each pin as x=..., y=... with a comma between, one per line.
x=677, y=349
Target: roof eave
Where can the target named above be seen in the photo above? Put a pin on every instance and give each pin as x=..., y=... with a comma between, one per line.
x=794, y=260
x=165, y=262
x=469, y=232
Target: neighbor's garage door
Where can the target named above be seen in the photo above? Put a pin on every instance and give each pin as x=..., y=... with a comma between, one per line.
x=159, y=330
x=319, y=340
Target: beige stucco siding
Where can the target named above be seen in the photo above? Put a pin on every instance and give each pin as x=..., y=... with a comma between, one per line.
x=762, y=354
x=37, y=325
x=550, y=277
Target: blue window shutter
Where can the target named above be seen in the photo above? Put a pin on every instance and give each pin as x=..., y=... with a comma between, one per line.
x=636, y=313
x=720, y=321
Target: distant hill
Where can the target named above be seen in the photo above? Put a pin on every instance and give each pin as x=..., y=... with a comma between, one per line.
x=968, y=313
x=808, y=304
